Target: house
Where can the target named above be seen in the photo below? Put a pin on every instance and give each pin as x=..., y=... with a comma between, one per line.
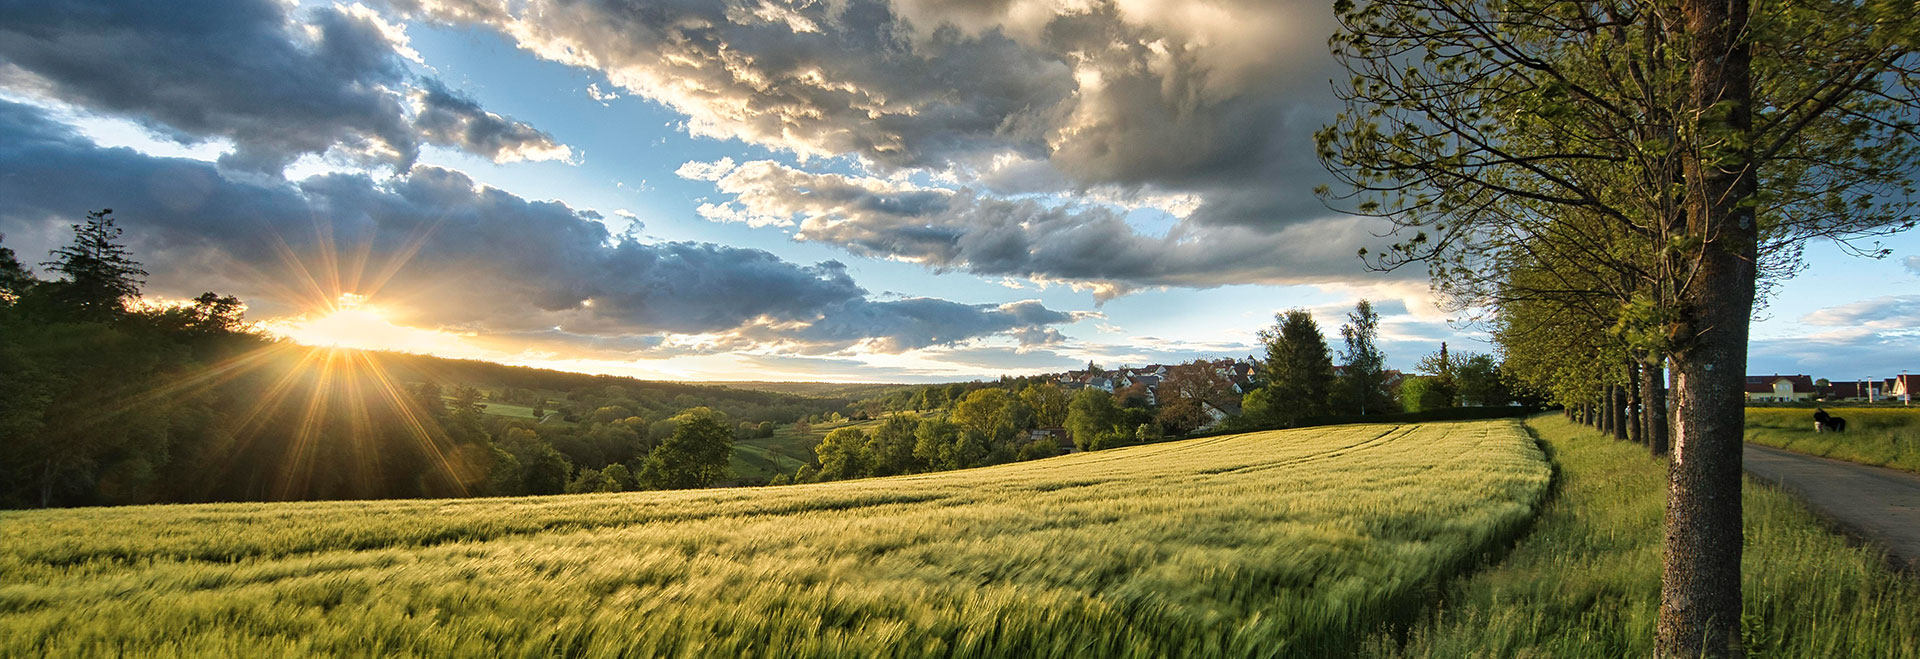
x=1779, y=388
x=1904, y=387
x=1217, y=411
x=1854, y=391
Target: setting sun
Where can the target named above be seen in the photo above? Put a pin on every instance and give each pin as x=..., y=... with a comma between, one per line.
x=354, y=322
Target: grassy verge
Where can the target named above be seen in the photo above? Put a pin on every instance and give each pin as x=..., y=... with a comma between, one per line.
x=1888, y=437
x=1586, y=582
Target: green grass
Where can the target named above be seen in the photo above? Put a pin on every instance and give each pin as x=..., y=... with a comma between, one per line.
x=1884, y=436
x=759, y=459
x=1288, y=543
x=1586, y=581
x=507, y=409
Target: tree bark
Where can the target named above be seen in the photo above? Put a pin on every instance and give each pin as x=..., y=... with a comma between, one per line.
x=1636, y=421
x=1654, y=394
x=1700, y=587
x=1619, y=412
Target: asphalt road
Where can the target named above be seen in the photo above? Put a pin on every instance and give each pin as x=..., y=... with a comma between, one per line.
x=1879, y=505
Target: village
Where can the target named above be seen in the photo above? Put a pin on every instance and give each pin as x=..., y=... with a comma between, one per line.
x=1779, y=388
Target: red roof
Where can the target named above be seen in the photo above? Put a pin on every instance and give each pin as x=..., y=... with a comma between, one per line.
x=1763, y=384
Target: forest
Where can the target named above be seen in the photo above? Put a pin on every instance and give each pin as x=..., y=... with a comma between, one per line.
x=107, y=398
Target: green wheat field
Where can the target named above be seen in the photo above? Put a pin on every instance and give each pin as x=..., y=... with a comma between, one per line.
x=1278, y=543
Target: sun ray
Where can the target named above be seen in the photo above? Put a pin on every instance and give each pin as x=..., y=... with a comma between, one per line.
x=403, y=406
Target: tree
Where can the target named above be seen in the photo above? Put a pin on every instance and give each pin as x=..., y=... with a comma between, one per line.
x=1091, y=416
x=1299, y=368
x=1443, y=387
x=891, y=446
x=934, y=442
x=696, y=455
x=843, y=454
x=1479, y=382
x=99, y=275
x=1186, y=391
x=1362, y=386
x=992, y=412
x=1627, y=133
x=1048, y=402
x=15, y=279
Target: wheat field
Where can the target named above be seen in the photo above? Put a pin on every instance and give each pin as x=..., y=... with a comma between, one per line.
x=1285, y=543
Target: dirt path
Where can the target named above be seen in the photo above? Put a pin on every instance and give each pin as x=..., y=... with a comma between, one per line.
x=1874, y=503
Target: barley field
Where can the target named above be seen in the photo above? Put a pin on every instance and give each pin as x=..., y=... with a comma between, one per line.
x=1286, y=543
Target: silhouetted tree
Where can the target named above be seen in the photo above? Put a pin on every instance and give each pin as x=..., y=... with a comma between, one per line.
x=99, y=277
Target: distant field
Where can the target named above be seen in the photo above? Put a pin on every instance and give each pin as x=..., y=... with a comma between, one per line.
x=1885, y=436
x=1586, y=581
x=507, y=409
x=759, y=459
x=1277, y=543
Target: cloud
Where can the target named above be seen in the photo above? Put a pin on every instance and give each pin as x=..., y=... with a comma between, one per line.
x=1086, y=245
x=1214, y=101
x=1913, y=264
x=330, y=80
x=440, y=252
x=447, y=118
x=1890, y=312
x=1008, y=359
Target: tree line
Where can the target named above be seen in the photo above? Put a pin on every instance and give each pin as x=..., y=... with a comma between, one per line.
x=1614, y=186
x=962, y=425
x=107, y=398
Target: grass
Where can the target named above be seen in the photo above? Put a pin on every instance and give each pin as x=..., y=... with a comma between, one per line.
x=1586, y=581
x=507, y=409
x=1884, y=436
x=1286, y=543
x=759, y=459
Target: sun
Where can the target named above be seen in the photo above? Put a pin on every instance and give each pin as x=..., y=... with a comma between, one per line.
x=354, y=321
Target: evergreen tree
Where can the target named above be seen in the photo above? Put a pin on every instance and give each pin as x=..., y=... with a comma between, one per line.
x=99, y=275
x=1299, y=368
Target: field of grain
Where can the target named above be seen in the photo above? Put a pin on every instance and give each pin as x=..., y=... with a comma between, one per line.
x=1884, y=436
x=1272, y=544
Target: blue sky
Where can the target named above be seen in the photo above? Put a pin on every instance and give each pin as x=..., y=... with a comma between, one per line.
x=748, y=189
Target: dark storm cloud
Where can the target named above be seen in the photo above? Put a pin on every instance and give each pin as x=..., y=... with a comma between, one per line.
x=1215, y=98
x=277, y=85
x=443, y=252
x=818, y=79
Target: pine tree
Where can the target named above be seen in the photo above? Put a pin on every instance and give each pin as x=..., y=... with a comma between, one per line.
x=100, y=276
x=1298, y=365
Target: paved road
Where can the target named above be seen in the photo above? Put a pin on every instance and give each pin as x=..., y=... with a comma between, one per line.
x=1879, y=504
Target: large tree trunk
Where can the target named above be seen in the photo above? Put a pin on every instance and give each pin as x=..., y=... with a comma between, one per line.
x=1653, y=394
x=1700, y=588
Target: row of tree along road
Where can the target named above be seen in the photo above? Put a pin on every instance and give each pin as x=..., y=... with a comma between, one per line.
x=1612, y=184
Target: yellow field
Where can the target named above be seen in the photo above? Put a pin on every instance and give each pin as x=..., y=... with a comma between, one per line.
x=1277, y=543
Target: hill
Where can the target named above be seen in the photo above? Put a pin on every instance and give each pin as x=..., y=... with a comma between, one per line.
x=838, y=390
x=1288, y=542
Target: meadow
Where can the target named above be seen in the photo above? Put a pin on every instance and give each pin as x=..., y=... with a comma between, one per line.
x=1884, y=436
x=759, y=459
x=1284, y=543
x=1586, y=581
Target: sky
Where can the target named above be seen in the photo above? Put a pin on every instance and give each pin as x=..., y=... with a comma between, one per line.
x=824, y=190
